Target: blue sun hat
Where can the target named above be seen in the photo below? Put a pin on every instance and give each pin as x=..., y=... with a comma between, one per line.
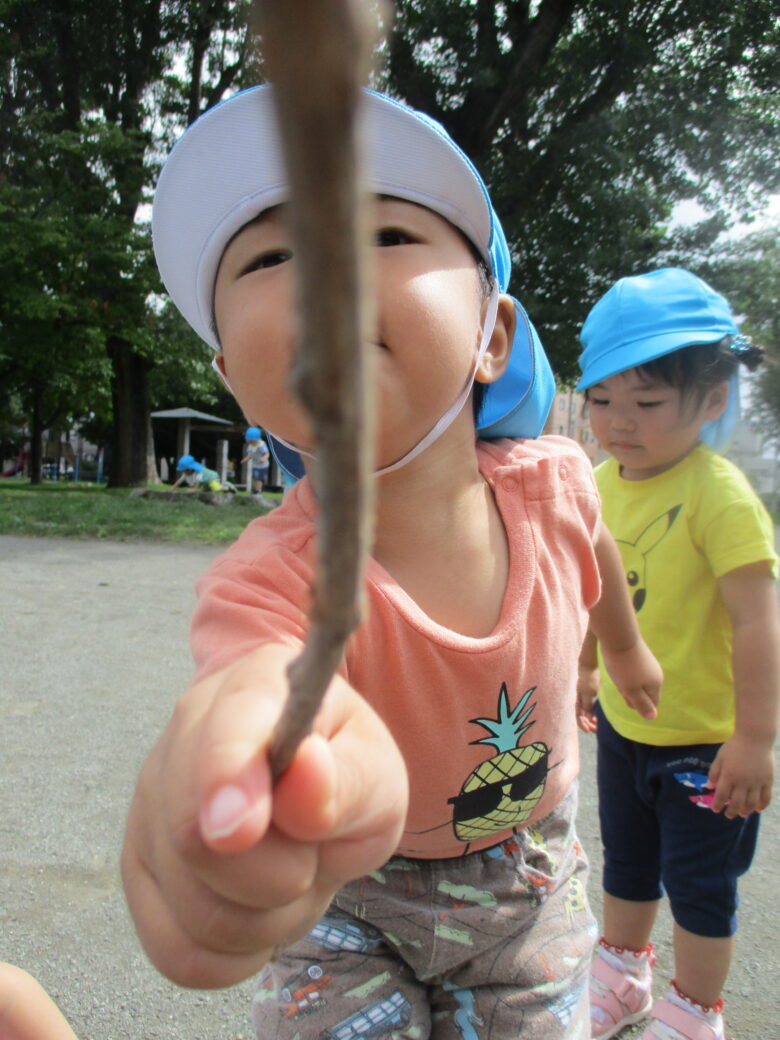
x=188, y=462
x=228, y=167
x=645, y=316
x=252, y=434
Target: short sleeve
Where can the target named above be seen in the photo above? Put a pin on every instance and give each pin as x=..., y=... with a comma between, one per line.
x=738, y=530
x=241, y=607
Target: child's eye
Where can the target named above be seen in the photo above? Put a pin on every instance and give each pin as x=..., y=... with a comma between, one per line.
x=649, y=404
x=272, y=258
x=598, y=402
x=392, y=237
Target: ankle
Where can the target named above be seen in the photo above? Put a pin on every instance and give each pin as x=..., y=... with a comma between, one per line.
x=708, y=1011
x=634, y=962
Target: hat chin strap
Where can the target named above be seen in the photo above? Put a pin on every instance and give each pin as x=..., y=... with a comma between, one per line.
x=457, y=405
x=441, y=424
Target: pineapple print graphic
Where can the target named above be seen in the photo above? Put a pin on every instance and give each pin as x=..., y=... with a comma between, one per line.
x=502, y=791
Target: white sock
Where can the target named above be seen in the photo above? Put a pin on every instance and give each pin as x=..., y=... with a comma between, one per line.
x=633, y=963
x=709, y=1015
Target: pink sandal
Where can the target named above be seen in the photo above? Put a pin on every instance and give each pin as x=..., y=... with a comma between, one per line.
x=617, y=999
x=683, y=1023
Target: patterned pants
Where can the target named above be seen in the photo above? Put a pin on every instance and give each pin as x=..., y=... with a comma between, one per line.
x=494, y=944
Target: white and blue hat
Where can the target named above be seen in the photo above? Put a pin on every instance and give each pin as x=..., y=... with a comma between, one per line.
x=228, y=167
x=188, y=462
x=643, y=317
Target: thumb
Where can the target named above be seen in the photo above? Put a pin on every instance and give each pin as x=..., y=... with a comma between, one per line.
x=349, y=778
x=235, y=787
x=234, y=774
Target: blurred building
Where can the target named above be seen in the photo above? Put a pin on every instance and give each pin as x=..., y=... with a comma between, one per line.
x=568, y=418
x=759, y=460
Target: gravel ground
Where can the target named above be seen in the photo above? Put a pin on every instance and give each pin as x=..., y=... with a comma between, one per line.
x=93, y=650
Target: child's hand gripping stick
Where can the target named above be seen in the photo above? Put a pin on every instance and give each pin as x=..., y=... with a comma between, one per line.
x=318, y=57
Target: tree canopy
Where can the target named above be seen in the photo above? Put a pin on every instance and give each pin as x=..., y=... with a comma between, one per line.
x=91, y=96
x=747, y=270
x=589, y=120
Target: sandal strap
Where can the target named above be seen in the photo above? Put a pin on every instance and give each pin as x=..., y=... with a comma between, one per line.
x=685, y=1022
x=620, y=982
x=624, y=993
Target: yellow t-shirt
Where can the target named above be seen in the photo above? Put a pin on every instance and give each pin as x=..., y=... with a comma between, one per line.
x=678, y=533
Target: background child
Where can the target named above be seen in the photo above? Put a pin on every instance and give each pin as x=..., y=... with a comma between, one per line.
x=196, y=476
x=679, y=795
x=424, y=835
x=257, y=451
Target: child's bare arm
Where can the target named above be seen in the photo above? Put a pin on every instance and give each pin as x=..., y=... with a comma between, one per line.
x=27, y=1012
x=588, y=681
x=744, y=769
x=627, y=658
x=219, y=868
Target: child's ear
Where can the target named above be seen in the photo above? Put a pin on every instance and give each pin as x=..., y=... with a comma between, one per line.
x=496, y=357
x=716, y=401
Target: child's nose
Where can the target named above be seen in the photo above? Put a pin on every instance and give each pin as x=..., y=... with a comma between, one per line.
x=622, y=420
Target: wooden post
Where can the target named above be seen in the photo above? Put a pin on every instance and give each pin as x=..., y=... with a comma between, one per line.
x=222, y=459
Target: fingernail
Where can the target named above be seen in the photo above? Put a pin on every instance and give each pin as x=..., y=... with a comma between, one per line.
x=225, y=812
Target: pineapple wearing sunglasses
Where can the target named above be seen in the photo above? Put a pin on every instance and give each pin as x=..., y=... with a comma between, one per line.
x=503, y=790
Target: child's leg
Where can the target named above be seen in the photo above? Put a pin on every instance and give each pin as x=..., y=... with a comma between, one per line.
x=532, y=983
x=701, y=965
x=704, y=855
x=343, y=981
x=630, y=835
x=628, y=923
x=499, y=941
x=621, y=974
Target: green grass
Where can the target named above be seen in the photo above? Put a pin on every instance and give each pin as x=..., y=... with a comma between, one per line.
x=91, y=511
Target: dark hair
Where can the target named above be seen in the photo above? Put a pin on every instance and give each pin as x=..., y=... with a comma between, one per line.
x=697, y=369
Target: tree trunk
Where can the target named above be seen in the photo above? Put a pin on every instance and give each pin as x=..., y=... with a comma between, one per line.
x=132, y=455
x=36, y=440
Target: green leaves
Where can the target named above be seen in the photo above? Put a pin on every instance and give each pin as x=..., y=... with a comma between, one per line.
x=590, y=120
x=92, y=94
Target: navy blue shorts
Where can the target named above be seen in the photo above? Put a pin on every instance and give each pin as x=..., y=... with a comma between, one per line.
x=660, y=835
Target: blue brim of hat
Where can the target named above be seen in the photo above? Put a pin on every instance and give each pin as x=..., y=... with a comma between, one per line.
x=515, y=406
x=598, y=365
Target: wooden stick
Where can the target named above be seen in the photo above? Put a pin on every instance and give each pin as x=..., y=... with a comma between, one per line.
x=317, y=53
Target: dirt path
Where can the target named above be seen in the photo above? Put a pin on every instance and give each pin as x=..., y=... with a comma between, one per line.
x=93, y=651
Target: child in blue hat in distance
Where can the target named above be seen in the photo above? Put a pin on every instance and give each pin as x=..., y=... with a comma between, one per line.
x=680, y=794
x=196, y=476
x=257, y=452
x=415, y=871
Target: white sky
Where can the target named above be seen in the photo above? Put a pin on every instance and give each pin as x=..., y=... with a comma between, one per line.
x=689, y=212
